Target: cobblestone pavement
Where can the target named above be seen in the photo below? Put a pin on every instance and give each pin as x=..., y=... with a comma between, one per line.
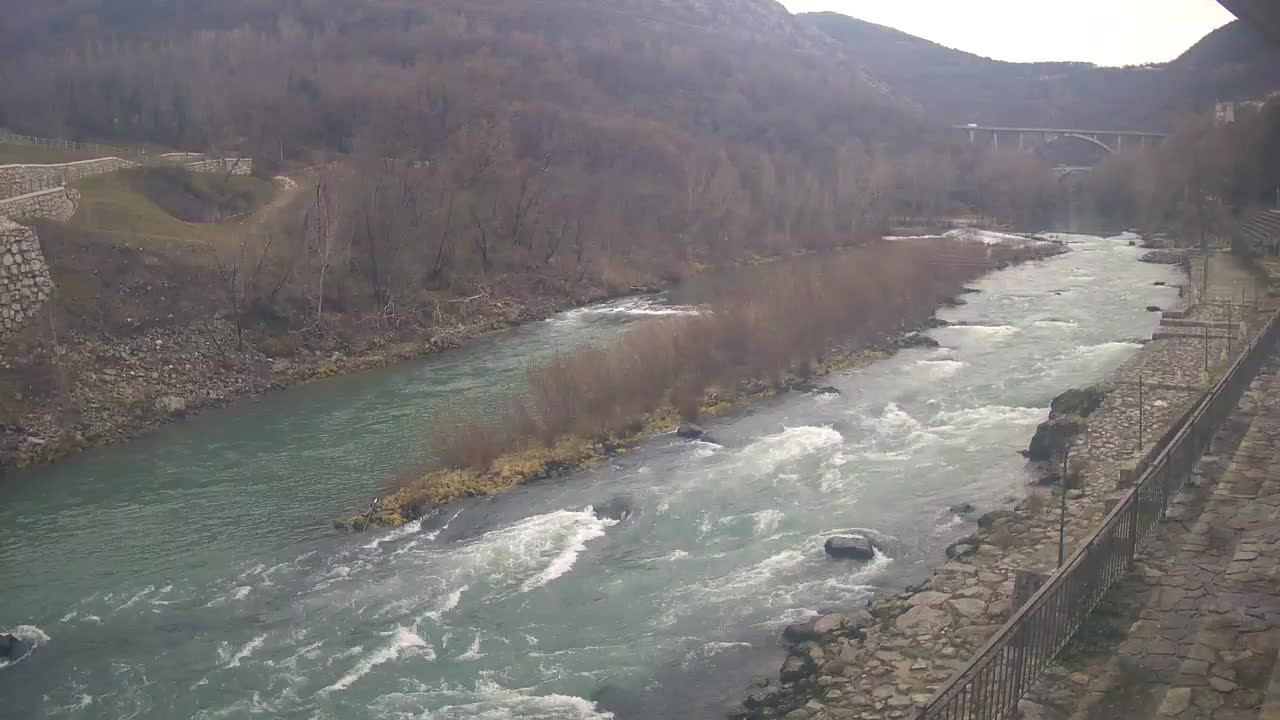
x=888, y=663
x=1203, y=601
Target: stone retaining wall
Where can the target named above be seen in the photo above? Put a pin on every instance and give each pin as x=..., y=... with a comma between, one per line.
x=24, y=277
x=237, y=166
x=58, y=203
x=24, y=179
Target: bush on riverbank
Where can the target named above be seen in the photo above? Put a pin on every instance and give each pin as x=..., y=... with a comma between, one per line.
x=749, y=340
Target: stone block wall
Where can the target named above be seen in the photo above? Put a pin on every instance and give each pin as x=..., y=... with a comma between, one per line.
x=25, y=283
x=23, y=179
x=237, y=166
x=58, y=203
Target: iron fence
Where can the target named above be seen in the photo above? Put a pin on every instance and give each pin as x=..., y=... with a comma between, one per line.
x=991, y=684
x=15, y=139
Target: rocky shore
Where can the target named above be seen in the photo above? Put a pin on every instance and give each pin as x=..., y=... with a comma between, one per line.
x=887, y=659
x=117, y=389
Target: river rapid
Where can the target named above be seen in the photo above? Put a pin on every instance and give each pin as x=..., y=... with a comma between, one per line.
x=193, y=574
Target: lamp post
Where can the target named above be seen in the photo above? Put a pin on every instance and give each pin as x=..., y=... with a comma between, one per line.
x=1062, y=514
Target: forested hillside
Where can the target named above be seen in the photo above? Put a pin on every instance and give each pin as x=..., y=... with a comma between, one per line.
x=673, y=120
x=1232, y=63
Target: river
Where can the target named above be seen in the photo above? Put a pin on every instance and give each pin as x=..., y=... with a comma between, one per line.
x=194, y=574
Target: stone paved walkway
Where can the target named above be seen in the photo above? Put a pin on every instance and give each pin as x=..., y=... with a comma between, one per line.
x=1204, y=598
x=887, y=664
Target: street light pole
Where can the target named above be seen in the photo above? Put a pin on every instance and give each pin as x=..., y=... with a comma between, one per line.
x=1140, y=418
x=1062, y=515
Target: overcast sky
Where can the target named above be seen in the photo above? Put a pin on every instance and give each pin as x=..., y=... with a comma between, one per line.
x=1106, y=32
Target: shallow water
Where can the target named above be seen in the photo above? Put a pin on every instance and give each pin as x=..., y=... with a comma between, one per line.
x=192, y=574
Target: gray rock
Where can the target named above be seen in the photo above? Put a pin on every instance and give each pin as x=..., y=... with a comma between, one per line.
x=915, y=340
x=12, y=647
x=171, y=405
x=828, y=624
x=1079, y=401
x=689, y=431
x=1052, y=438
x=962, y=508
x=922, y=619
x=796, y=668
x=989, y=520
x=851, y=547
x=964, y=547
x=798, y=633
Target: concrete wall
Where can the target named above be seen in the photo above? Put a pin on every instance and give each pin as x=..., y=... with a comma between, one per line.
x=58, y=203
x=23, y=179
x=25, y=283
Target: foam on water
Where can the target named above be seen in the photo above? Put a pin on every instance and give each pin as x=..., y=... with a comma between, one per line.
x=145, y=591
x=473, y=652
x=986, y=237
x=765, y=522
x=638, y=306
x=938, y=369
x=245, y=651
x=409, y=528
x=792, y=443
x=491, y=701
x=987, y=331
x=448, y=603
x=404, y=642
x=575, y=543
x=532, y=552
x=971, y=420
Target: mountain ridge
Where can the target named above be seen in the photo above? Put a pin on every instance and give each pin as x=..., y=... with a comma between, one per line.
x=1233, y=62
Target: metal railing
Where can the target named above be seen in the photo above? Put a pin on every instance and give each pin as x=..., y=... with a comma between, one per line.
x=991, y=684
x=15, y=139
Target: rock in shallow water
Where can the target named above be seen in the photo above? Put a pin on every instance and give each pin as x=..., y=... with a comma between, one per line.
x=915, y=340
x=11, y=647
x=689, y=431
x=852, y=547
x=1052, y=438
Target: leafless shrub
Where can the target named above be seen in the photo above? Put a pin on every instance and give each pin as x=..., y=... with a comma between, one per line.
x=776, y=325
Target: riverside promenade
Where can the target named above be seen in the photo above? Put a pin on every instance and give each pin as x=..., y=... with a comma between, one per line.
x=1194, y=630
x=888, y=662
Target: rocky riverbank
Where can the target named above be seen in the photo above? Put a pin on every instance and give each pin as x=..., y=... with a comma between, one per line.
x=886, y=660
x=110, y=390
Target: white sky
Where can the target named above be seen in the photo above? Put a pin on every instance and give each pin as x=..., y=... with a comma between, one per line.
x=1106, y=32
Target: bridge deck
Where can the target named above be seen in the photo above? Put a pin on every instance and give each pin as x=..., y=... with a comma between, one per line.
x=1063, y=131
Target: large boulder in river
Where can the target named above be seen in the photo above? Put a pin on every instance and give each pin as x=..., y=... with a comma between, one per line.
x=916, y=340
x=689, y=431
x=617, y=508
x=12, y=647
x=1053, y=437
x=850, y=547
x=797, y=667
x=1079, y=401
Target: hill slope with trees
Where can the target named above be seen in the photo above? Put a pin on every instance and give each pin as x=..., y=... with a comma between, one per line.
x=1234, y=62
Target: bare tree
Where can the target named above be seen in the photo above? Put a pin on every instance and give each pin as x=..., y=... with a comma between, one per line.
x=320, y=231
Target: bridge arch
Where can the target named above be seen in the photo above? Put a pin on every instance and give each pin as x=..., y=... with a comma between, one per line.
x=1110, y=150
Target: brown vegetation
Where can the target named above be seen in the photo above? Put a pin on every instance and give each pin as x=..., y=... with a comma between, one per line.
x=746, y=341
x=1197, y=182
